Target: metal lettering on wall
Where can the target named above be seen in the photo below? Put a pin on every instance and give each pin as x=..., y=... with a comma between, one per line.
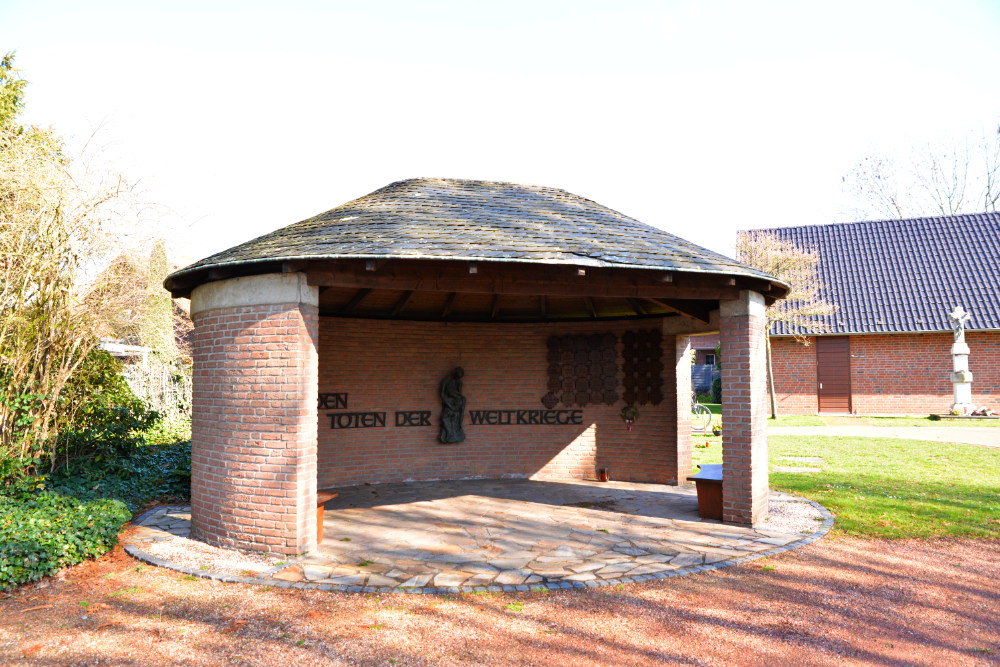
x=403, y=418
x=525, y=417
x=452, y=413
x=410, y=418
x=341, y=420
x=333, y=401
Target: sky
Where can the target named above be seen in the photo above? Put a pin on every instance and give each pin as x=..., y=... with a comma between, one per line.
x=700, y=118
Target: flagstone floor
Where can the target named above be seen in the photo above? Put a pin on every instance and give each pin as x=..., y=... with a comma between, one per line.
x=513, y=535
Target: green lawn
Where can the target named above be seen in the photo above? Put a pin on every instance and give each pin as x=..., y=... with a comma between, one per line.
x=789, y=420
x=796, y=420
x=889, y=488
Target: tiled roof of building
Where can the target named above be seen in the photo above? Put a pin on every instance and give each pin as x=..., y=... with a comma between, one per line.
x=891, y=276
x=436, y=218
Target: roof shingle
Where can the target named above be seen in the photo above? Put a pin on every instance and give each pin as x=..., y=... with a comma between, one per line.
x=434, y=218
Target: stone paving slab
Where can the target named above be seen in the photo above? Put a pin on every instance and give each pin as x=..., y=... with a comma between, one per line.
x=506, y=535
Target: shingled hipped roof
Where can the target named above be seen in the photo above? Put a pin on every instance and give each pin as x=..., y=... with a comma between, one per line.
x=451, y=219
x=891, y=276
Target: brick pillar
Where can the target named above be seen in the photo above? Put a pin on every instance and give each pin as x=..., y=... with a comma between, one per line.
x=744, y=409
x=679, y=393
x=253, y=427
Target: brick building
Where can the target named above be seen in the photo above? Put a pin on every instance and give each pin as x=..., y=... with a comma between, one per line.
x=888, y=348
x=326, y=353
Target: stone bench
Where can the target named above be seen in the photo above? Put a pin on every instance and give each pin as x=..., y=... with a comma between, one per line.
x=708, y=483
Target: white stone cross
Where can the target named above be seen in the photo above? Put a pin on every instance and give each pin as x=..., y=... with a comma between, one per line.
x=958, y=318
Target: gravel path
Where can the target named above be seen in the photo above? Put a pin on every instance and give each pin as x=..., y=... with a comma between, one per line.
x=838, y=601
x=969, y=435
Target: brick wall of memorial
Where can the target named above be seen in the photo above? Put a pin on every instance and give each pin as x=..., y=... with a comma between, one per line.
x=537, y=401
x=891, y=373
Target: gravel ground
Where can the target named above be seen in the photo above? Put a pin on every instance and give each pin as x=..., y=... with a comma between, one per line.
x=839, y=601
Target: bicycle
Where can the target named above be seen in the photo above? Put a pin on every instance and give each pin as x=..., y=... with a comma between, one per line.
x=701, y=416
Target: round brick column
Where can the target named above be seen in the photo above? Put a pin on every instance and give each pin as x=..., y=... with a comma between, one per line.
x=253, y=429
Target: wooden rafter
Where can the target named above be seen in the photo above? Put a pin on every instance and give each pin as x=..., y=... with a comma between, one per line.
x=591, y=307
x=355, y=300
x=403, y=300
x=448, y=303
x=495, y=308
x=637, y=306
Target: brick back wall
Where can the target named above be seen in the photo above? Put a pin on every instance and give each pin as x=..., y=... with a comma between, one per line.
x=891, y=374
x=391, y=365
x=253, y=430
x=909, y=373
x=794, y=365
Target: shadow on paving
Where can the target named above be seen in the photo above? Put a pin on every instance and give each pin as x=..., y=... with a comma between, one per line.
x=869, y=602
x=641, y=499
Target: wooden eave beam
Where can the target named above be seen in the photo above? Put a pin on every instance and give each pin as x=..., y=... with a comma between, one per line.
x=495, y=308
x=484, y=284
x=685, y=310
x=591, y=307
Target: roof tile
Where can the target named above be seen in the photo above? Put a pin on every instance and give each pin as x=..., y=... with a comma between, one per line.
x=889, y=276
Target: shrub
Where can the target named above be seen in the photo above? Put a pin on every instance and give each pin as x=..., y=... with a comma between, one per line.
x=717, y=390
x=166, y=432
x=107, y=420
x=152, y=471
x=51, y=521
x=44, y=531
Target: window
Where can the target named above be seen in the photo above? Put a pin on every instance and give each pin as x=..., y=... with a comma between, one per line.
x=709, y=359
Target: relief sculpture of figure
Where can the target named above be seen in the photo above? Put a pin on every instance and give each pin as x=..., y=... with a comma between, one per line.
x=958, y=318
x=452, y=408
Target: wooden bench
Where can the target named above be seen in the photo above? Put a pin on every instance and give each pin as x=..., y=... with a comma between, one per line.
x=321, y=500
x=708, y=483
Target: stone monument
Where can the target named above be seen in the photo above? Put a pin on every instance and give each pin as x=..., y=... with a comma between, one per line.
x=961, y=378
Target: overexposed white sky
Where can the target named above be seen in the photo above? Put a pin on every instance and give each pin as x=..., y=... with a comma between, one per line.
x=697, y=117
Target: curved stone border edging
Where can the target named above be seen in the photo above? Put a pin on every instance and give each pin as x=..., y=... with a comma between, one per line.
x=137, y=553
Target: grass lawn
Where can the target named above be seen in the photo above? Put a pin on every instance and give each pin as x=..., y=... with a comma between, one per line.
x=796, y=420
x=890, y=488
x=789, y=420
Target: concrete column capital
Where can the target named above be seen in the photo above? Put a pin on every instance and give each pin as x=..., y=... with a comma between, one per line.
x=263, y=290
x=748, y=303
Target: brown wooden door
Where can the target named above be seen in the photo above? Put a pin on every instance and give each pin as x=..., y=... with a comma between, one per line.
x=833, y=373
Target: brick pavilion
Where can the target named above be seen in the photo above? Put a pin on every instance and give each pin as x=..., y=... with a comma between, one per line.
x=326, y=354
